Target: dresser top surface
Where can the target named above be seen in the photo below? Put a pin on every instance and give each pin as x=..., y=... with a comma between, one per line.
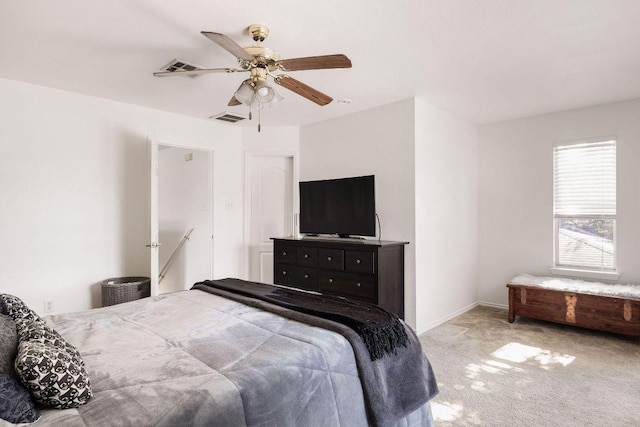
x=328, y=241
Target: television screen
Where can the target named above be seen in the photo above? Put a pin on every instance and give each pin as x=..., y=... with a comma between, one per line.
x=343, y=206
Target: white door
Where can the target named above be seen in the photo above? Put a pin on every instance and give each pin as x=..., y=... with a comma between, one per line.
x=153, y=212
x=269, y=208
x=181, y=217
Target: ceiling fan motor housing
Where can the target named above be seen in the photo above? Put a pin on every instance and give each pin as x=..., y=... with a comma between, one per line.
x=264, y=55
x=259, y=32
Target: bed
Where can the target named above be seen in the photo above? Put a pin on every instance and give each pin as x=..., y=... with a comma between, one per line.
x=197, y=358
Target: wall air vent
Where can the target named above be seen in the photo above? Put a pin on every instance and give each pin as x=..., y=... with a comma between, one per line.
x=228, y=117
x=179, y=65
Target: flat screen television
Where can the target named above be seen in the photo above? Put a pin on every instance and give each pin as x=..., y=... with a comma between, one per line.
x=344, y=206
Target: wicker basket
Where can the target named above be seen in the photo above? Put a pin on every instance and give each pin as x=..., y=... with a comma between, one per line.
x=124, y=289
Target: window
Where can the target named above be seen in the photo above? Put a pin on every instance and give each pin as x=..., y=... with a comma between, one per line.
x=584, y=178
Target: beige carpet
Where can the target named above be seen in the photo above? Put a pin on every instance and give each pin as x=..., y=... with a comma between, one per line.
x=531, y=373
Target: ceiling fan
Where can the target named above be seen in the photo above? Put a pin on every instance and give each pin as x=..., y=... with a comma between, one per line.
x=262, y=62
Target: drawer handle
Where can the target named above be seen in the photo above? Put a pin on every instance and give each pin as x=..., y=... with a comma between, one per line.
x=306, y=276
x=358, y=261
x=284, y=273
x=306, y=255
x=330, y=280
x=329, y=258
x=358, y=284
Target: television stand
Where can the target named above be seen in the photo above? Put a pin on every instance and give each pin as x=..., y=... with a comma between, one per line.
x=367, y=270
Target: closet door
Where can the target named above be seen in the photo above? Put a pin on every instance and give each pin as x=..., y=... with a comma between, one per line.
x=269, y=208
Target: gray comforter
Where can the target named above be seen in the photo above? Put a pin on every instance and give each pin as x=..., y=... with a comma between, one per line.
x=193, y=358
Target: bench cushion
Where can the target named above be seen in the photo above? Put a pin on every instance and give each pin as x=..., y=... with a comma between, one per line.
x=580, y=286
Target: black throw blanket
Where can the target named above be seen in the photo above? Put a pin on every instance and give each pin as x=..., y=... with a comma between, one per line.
x=396, y=377
x=381, y=331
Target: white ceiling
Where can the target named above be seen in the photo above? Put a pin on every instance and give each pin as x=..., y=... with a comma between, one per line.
x=484, y=60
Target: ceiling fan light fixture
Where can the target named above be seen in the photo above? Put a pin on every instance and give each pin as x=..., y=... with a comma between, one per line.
x=263, y=92
x=276, y=98
x=245, y=93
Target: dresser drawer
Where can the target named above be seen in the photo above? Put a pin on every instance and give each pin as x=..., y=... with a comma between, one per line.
x=307, y=278
x=300, y=277
x=307, y=256
x=332, y=259
x=285, y=254
x=356, y=285
x=284, y=274
x=359, y=261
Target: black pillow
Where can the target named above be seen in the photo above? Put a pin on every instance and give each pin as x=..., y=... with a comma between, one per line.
x=8, y=345
x=16, y=405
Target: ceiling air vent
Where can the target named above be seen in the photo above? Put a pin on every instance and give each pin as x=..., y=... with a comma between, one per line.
x=228, y=117
x=179, y=65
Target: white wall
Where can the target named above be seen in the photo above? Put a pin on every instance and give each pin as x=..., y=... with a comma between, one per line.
x=280, y=139
x=73, y=191
x=446, y=170
x=378, y=142
x=425, y=163
x=516, y=191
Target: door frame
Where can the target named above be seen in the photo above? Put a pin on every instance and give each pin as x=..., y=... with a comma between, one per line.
x=154, y=208
x=246, y=234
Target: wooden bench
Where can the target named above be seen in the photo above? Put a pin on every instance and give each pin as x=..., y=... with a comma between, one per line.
x=612, y=308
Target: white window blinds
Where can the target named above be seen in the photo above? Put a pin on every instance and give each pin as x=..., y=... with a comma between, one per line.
x=585, y=179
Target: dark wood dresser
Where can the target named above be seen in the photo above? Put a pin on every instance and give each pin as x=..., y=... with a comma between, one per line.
x=368, y=270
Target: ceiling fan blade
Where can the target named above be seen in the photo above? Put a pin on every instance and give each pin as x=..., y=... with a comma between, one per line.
x=195, y=72
x=303, y=90
x=316, y=62
x=233, y=102
x=228, y=44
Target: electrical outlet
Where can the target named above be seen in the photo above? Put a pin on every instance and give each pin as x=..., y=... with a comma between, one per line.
x=49, y=306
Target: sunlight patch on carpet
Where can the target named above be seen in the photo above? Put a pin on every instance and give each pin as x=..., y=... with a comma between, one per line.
x=446, y=411
x=520, y=353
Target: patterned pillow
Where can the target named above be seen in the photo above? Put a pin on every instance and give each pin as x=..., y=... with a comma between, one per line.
x=17, y=309
x=39, y=331
x=51, y=375
x=16, y=405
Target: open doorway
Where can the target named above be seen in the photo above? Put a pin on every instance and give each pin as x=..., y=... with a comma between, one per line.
x=185, y=217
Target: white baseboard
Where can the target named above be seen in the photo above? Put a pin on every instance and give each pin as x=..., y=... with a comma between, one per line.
x=461, y=311
x=446, y=318
x=493, y=305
